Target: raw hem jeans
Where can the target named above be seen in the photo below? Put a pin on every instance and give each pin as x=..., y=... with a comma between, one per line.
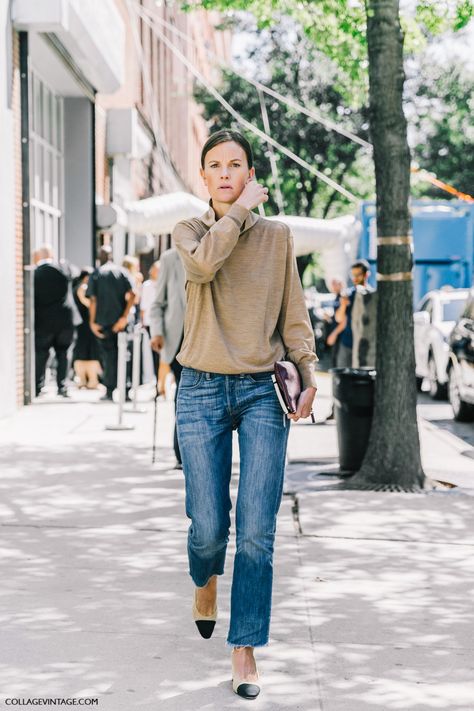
x=209, y=407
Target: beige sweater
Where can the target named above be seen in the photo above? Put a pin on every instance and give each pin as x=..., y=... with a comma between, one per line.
x=245, y=303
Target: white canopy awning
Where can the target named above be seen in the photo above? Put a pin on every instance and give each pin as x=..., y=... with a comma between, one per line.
x=335, y=239
x=161, y=213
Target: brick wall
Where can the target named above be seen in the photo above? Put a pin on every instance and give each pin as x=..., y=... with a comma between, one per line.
x=20, y=348
x=184, y=130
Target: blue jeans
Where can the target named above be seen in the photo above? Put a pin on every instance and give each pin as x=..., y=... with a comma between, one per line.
x=209, y=407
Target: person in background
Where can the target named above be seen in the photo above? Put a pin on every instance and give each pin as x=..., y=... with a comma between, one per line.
x=360, y=272
x=335, y=328
x=167, y=320
x=55, y=317
x=147, y=298
x=86, y=350
x=111, y=293
x=132, y=265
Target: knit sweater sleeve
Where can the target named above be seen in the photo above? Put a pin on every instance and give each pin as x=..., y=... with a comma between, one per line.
x=203, y=257
x=294, y=324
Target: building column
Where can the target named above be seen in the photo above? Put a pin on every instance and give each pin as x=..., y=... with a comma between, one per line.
x=11, y=297
x=79, y=188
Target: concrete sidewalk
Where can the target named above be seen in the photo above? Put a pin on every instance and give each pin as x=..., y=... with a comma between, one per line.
x=373, y=593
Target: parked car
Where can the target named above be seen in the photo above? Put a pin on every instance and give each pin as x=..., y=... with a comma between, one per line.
x=461, y=365
x=434, y=320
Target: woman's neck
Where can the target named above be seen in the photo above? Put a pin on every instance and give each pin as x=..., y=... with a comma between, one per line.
x=220, y=208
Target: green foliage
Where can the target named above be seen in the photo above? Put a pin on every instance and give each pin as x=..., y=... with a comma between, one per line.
x=335, y=27
x=444, y=105
x=434, y=18
x=464, y=13
x=289, y=63
x=338, y=29
x=313, y=275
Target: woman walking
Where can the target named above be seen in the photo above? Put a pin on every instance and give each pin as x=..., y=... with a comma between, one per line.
x=245, y=310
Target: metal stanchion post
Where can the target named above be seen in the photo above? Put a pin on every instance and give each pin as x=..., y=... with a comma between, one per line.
x=155, y=419
x=121, y=381
x=136, y=362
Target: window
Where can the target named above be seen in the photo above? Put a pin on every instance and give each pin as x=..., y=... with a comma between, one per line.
x=452, y=310
x=46, y=164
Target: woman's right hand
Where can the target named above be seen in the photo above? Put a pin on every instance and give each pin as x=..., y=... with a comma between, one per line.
x=252, y=195
x=96, y=330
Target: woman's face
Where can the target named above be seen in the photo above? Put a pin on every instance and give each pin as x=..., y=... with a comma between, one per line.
x=226, y=171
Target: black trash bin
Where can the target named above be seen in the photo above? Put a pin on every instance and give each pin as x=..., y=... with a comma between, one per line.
x=353, y=392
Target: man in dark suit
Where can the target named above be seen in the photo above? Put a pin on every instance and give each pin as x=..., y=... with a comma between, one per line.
x=112, y=295
x=55, y=317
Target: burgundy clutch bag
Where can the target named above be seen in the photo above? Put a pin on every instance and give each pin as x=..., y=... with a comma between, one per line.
x=287, y=383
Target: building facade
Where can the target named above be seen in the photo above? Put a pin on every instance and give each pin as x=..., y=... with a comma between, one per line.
x=95, y=111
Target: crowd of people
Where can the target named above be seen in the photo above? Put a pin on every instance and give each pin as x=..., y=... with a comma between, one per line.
x=78, y=319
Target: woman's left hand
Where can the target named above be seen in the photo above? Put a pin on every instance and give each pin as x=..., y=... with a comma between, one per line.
x=305, y=404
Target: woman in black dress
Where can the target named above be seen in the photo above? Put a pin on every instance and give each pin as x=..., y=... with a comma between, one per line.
x=86, y=351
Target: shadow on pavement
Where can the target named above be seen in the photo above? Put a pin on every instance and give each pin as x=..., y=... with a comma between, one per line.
x=372, y=605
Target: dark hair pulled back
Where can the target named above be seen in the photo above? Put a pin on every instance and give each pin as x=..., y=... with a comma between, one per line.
x=224, y=136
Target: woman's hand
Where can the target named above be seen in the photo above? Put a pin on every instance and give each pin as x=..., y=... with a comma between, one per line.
x=252, y=195
x=305, y=404
x=120, y=325
x=96, y=330
x=157, y=343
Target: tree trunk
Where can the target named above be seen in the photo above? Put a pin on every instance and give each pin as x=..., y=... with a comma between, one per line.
x=393, y=455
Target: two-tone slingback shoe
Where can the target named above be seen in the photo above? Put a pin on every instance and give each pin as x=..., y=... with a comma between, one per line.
x=247, y=688
x=204, y=623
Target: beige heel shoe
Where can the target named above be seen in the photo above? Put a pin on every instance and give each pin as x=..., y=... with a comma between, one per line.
x=204, y=623
x=244, y=687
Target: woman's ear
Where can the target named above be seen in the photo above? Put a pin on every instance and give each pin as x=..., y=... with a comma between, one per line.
x=203, y=176
x=252, y=173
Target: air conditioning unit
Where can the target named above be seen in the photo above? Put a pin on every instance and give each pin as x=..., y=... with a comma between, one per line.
x=126, y=135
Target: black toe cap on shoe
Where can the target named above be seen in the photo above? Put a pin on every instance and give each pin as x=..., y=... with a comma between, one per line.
x=248, y=691
x=205, y=627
